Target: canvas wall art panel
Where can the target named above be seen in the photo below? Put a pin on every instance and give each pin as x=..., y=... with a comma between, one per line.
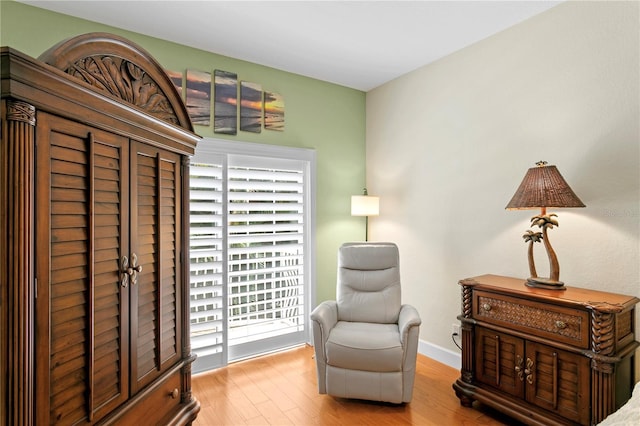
x=199, y=97
x=273, y=111
x=225, y=102
x=176, y=79
x=250, y=107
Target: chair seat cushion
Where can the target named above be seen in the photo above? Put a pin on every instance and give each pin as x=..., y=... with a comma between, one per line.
x=365, y=346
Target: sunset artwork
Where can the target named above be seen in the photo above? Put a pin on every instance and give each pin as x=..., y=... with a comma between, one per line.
x=273, y=111
x=225, y=105
x=250, y=107
x=176, y=79
x=199, y=97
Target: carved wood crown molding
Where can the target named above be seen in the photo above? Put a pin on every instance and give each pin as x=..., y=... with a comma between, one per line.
x=119, y=67
x=126, y=81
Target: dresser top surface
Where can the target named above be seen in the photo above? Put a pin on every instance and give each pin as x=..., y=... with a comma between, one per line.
x=570, y=296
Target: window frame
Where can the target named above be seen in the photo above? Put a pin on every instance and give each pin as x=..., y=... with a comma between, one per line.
x=219, y=151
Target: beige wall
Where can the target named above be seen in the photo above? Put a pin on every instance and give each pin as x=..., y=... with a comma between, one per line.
x=448, y=144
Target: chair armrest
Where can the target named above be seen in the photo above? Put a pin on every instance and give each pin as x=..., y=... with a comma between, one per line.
x=325, y=317
x=408, y=319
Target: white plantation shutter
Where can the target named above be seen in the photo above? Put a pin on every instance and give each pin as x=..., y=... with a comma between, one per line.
x=251, y=260
x=207, y=260
x=266, y=248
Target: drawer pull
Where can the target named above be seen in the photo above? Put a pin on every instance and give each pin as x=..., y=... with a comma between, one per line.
x=561, y=324
x=174, y=394
x=519, y=369
x=486, y=307
x=529, y=371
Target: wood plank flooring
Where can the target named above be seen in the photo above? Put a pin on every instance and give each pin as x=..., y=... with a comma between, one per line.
x=281, y=389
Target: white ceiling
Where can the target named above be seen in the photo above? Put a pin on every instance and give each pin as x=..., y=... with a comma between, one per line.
x=358, y=44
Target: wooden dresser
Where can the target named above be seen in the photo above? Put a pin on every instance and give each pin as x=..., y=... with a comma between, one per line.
x=545, y=357
x=94, y=262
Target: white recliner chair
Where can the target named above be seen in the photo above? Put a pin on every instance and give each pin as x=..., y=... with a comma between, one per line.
x=366, y=342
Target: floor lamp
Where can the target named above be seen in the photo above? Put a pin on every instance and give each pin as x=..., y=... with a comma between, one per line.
x=365, y=205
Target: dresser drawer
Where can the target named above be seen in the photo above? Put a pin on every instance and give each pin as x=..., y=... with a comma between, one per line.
x=155, y=403
x=556, y=322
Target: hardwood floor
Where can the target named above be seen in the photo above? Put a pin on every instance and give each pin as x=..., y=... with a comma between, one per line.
x=281, y=389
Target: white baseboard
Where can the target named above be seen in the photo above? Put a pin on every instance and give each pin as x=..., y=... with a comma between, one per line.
x=440, y=354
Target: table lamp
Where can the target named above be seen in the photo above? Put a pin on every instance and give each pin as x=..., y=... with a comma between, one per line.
x=543, y=186
x=365, y=205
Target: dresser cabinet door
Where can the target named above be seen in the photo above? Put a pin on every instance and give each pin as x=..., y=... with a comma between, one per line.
x=81, y=307
x=155, y=223
x=559, y=381
x=550, y=378
x=499, y=361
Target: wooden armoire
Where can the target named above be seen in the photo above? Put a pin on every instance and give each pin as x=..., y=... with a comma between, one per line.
x=94, y=259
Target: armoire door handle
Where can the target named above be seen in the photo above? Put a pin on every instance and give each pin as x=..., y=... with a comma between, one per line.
x=134, y=269
x=124, y=271
x=130, y=272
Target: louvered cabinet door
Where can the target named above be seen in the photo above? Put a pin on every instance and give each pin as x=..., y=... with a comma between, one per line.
x=559, y=381
x=500, y=361
x=156, y=191
x=82, y=319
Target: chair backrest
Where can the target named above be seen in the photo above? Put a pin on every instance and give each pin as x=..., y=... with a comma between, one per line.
x=368, y=282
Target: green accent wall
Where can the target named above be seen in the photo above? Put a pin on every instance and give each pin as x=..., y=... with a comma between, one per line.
x=325, y=117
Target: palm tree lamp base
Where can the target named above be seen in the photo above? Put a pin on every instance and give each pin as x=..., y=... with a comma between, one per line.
x=546, y=283
x=543, y=186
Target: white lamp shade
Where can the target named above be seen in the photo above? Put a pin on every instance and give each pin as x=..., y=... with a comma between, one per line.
x=365, y=205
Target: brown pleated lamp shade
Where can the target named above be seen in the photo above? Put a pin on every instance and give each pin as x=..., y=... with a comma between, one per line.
x=543, y=186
